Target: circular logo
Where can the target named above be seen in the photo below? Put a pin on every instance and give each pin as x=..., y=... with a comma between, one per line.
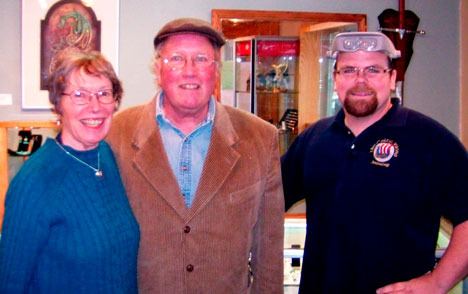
x=384, y=151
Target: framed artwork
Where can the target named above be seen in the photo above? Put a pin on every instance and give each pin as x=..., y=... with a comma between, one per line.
x=54, y=27
x=69, y=25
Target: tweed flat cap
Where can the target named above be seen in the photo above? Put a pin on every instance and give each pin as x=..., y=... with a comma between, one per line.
x=366, y=41
x=187, y=26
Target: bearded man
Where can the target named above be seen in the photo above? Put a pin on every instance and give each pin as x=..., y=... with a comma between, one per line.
x=377, y=178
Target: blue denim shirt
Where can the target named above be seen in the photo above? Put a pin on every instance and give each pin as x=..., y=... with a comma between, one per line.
x=186, y=153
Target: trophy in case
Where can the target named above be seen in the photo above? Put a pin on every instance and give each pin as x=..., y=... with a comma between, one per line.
x=265, y=71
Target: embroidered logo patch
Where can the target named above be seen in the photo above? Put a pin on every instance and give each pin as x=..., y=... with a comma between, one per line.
x=383, y=151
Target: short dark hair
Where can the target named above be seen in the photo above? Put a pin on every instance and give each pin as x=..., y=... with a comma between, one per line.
x=90, y=62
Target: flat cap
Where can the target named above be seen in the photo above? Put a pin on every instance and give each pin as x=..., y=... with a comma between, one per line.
x=187, y=26
x=366, y=41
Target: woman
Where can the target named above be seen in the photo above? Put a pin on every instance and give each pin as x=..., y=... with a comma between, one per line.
x=68, y=226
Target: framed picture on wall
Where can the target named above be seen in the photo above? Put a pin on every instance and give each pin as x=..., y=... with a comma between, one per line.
x=53, y=27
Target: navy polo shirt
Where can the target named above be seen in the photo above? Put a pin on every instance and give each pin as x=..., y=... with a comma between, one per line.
x=374, y=201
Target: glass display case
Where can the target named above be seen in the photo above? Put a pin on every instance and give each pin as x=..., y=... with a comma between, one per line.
x=295, y=227
x=294, y=239
x=265, y=81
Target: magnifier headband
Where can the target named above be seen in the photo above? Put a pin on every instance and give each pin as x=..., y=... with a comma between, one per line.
x=366, y=41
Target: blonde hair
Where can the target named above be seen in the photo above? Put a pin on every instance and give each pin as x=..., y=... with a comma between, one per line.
x=90, y=62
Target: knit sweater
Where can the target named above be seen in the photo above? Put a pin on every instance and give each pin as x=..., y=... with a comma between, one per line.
x=65, y=229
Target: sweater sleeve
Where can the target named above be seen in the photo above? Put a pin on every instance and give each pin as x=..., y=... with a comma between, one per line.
x=25, y=229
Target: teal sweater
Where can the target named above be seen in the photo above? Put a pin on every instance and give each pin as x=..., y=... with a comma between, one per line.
x=66, y=230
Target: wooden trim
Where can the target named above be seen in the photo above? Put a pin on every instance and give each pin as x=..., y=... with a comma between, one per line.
x=4, y=126
x=28, y=124
x=295, y=215
x=217, y=15
x=309, y=79
x=3, y=170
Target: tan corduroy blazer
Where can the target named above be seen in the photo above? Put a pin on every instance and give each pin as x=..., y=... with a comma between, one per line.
x=237, y=212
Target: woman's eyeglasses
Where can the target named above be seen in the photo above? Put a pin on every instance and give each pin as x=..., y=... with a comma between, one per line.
x=83, y=97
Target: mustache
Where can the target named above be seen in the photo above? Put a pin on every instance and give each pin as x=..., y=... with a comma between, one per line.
x=361, y=88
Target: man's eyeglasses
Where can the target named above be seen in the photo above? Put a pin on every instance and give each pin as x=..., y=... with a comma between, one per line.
x=83, y=97
x=178, y=61
x=369, y=72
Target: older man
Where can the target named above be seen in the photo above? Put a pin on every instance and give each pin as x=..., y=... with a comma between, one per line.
x=203, y=179
x=377, y=177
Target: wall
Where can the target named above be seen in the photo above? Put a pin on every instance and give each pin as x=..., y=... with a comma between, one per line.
x=432, y=80
x=464, y=72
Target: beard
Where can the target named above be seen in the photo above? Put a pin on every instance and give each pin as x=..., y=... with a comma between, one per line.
x=360, y=107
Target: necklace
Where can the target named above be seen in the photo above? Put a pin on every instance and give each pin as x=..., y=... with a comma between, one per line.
x=97, y=171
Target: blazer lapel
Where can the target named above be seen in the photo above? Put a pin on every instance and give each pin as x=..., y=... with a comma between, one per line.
x=151, y=160
x=220, y=161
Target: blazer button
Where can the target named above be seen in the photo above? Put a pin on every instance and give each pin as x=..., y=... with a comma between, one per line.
x=186, y=229
x=189, y=268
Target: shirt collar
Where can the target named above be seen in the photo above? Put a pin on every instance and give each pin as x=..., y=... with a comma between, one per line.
x=395, y=116
x=160, y=109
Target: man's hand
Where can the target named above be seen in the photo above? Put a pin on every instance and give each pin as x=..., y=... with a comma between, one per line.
x=425, y=285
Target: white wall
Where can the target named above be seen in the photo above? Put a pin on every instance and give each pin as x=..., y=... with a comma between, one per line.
x=464, y=72
x=432, y=80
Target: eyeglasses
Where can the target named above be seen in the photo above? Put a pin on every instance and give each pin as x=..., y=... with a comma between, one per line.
x=369, y=72
x=83, y=97
x=178, y=61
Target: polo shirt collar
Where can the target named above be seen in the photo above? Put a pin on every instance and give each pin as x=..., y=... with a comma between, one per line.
x=395, y=116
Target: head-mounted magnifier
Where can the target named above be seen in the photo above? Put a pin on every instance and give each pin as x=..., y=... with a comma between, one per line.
x=365, y=41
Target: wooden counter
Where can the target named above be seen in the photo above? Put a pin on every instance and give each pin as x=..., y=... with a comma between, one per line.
x=4, y=126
